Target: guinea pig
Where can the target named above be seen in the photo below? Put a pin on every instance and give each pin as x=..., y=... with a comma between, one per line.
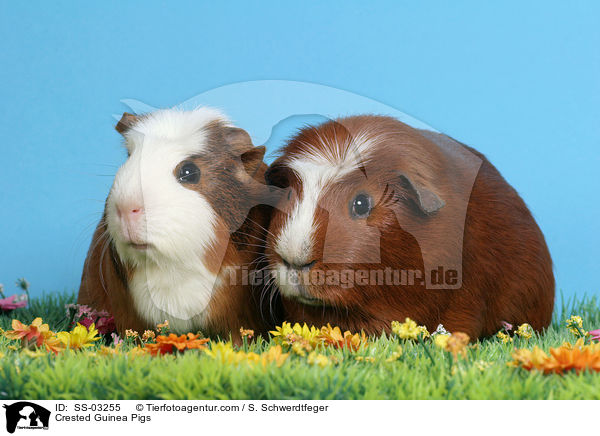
x=182, y=225
x=383, y=221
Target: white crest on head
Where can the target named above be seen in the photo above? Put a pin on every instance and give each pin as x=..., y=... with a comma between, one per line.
x=170, y=279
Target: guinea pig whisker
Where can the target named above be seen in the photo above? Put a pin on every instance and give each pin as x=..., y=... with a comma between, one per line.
x=253, y=245
x=104, y=249
x=258, y=224
x=252, y=236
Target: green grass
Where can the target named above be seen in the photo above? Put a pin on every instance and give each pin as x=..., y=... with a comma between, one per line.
x=195, y=375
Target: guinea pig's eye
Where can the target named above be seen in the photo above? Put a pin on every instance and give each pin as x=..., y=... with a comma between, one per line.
x=361, y=206
x=189, y=173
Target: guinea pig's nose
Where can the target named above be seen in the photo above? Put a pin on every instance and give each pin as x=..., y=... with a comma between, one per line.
x=130, y=212
x=308, y=265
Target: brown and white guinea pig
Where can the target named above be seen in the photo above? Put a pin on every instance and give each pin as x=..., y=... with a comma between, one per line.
x=383, y=221
x=181, y=222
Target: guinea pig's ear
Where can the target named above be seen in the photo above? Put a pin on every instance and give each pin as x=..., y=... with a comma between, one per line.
x=126, y=122
x=426, y=200
x=253, y=159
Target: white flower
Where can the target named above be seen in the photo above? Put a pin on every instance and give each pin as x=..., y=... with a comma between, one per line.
x=440, y=330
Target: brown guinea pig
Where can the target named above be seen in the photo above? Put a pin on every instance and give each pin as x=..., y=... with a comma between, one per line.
x=182, y=223
x=383, y=221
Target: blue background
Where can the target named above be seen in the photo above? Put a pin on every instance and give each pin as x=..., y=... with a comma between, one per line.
x=519, y=81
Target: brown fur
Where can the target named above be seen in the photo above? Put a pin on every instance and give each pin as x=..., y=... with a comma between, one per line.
x=230, y=172
x=436, y=208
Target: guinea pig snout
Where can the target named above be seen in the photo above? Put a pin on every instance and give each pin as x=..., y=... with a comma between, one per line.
x=302, y=265
x=131, y=216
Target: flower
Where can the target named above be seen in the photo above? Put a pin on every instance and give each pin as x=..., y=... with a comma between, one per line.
x=13, y=302
x=164, y=327
x=300, y=346
x=80, y=337
x=525, y=331
x=148, y=335
x=595, y=334
x=35, y=353
x=171, y=343
x=409, y=329
x=109, y=351
x=565, y=358
x=457, y=344
x=225, y=353
x=30, y=335
x=287, y=335
x=246, y=333
x=507, y=326
x=482, y=365
x=504, y=337
x=575, y=325
x=54, y=345
x=315, y=358
x=136, y=352
x=395, y=355
x=440, y=330
x=116, y=339
x=441, y=341
x=274, y=355
x=131, y=334
x=333, y=336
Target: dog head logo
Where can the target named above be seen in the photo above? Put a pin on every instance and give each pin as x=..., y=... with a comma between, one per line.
x=26, y=415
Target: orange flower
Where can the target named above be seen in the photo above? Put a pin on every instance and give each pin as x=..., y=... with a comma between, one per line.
x=168, y=344
x=567, y=357
x=31, y=335
x=333, y=336
x=457, y=344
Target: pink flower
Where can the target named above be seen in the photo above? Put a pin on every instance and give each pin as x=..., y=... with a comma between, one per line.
x=116, y=339
x=13, y=302
x=106, y=324
x=595, y=334
x=85, y=315
x=508, y=327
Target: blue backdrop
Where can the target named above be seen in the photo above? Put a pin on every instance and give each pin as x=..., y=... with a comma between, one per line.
x=519, y=81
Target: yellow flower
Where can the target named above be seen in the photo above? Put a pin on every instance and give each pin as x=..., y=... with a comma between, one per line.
x=224, y=352
x=441, y=341
x=318, y=359
x=525, y=331
x=109, y=351
x=274, y=355
x=409, y=329
x=395, y=355
x=137, y=351
x=575, y=325
x=287, y=335
x=504, y=337
x=37, y=353
x=301, y=346
x=482, y=365
x=79, y=337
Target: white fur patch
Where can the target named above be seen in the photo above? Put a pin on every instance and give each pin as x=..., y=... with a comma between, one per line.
x=170, y=280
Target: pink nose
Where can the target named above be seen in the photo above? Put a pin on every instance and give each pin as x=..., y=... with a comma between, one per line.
x=130, y=213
